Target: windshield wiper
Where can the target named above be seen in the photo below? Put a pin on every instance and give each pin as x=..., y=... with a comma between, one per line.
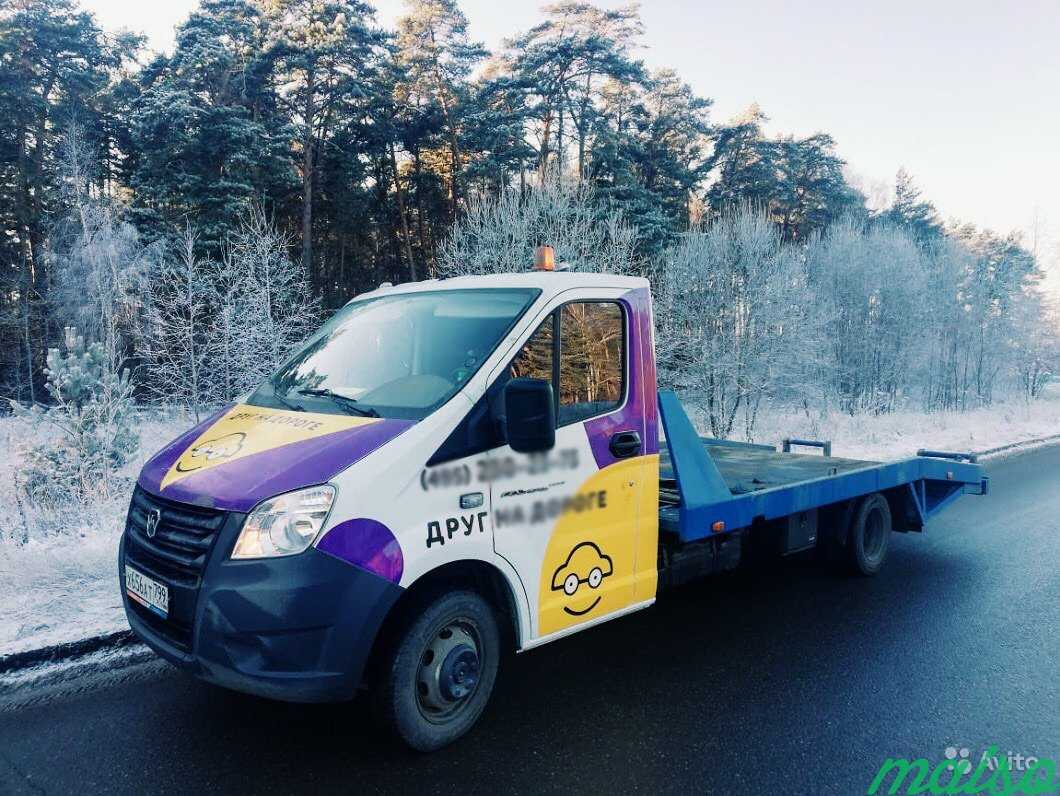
x=345, y=402
x=280, y=399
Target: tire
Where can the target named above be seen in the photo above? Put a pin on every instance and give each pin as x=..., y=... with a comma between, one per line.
x=870, y=535
x=439, y=671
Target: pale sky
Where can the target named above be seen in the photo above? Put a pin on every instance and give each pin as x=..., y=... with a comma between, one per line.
x=965, y=94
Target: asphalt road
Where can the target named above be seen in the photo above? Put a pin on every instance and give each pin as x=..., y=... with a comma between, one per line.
x=794, y=680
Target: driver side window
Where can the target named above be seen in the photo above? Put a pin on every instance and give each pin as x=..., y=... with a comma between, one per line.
x=535, y=359
x=590, y=373
x=592, y=351
x=592, y=360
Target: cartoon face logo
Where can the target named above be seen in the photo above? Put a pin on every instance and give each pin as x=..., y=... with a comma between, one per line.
x=587, y=566
x=210, y=451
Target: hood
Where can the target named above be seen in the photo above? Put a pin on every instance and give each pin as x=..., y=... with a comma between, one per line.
x=241, y=455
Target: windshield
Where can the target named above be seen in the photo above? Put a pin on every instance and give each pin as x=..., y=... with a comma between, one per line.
x=396, y=356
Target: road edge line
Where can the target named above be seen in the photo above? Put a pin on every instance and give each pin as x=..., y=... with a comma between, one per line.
x=64, y=651
x=1015, y=446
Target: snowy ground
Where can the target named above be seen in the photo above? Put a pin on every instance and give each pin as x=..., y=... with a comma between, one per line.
x=63, y=587
x=59, y=587
x=901, y=434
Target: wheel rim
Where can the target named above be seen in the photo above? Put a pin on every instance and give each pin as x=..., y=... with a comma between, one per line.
x=450, y=671
x=875, y=535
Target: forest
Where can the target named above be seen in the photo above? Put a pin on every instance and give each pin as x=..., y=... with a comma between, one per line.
x=172, y=224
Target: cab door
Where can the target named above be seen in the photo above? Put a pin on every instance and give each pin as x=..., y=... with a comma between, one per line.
x=568, y=519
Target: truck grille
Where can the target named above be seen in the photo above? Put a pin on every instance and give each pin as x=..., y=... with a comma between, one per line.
x=182, y=539
x=175, y=554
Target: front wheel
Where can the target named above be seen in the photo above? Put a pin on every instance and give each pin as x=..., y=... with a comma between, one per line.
x=870, y=535
x=440, y=671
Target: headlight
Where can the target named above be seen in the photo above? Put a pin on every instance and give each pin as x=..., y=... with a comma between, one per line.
x=286, y=524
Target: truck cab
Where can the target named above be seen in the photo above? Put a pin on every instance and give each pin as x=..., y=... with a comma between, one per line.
x=267, y=548
x=447, y=469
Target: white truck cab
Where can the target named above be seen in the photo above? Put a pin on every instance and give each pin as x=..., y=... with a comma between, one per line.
x=445, y=467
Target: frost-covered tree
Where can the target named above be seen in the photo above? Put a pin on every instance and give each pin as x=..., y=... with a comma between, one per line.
x=227, y=361
x=992, y=289
x=498, y=233
x=734, y=321
x=1034, y=349
x=97, y=257
x=870, y=287
x=180, y=320
x=218, y=327
x=264, y=301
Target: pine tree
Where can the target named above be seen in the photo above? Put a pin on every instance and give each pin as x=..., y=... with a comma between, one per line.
x=811, y=192
x=650, y=155
x=207, y=133
x=799, y=182
x=561, y=65
x=435, y=58
x=94, y=417
x=743, y=164
x=326, y=51
x=910, y=212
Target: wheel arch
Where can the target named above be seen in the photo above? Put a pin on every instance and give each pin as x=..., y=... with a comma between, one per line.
x=482, y=577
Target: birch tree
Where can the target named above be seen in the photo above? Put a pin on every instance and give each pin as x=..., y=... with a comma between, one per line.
x=733, y=318
x=870, y=287
x=179, y=327
x=266, y=302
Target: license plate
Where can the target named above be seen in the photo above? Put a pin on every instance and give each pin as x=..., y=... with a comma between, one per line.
x=147, y=591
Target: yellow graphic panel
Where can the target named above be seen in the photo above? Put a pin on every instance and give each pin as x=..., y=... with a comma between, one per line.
x=591, y=565
x=647, y=559
x=245, y=430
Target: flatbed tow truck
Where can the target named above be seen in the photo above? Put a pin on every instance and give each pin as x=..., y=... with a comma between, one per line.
x=451, y=467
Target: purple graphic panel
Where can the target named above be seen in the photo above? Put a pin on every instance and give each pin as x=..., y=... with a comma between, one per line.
x=640, y=412
x=367, y=544
x=241, y=484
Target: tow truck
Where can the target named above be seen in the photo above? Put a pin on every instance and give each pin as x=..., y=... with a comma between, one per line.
x=451, y=468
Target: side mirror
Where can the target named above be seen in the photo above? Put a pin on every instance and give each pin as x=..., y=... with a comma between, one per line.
x=530, y=415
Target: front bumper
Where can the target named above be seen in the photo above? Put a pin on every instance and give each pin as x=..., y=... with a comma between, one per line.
x=299, y=628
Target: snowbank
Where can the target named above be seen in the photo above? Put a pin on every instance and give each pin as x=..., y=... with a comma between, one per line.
x=64, y=587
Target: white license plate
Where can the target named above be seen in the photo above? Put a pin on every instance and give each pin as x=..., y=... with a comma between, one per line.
x=147, y=591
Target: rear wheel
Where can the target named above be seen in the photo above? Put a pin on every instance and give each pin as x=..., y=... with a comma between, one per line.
x=870, y=535
x=440, y=671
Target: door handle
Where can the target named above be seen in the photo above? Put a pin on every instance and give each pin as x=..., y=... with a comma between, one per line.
x=624, y=444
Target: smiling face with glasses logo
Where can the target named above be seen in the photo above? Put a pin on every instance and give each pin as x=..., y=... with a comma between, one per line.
x=587, y=566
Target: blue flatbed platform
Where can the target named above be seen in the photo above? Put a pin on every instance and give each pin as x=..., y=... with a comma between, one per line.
x=709, y=486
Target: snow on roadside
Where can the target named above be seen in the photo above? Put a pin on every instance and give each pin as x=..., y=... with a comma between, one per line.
x=64, y=588
x=901, y=434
